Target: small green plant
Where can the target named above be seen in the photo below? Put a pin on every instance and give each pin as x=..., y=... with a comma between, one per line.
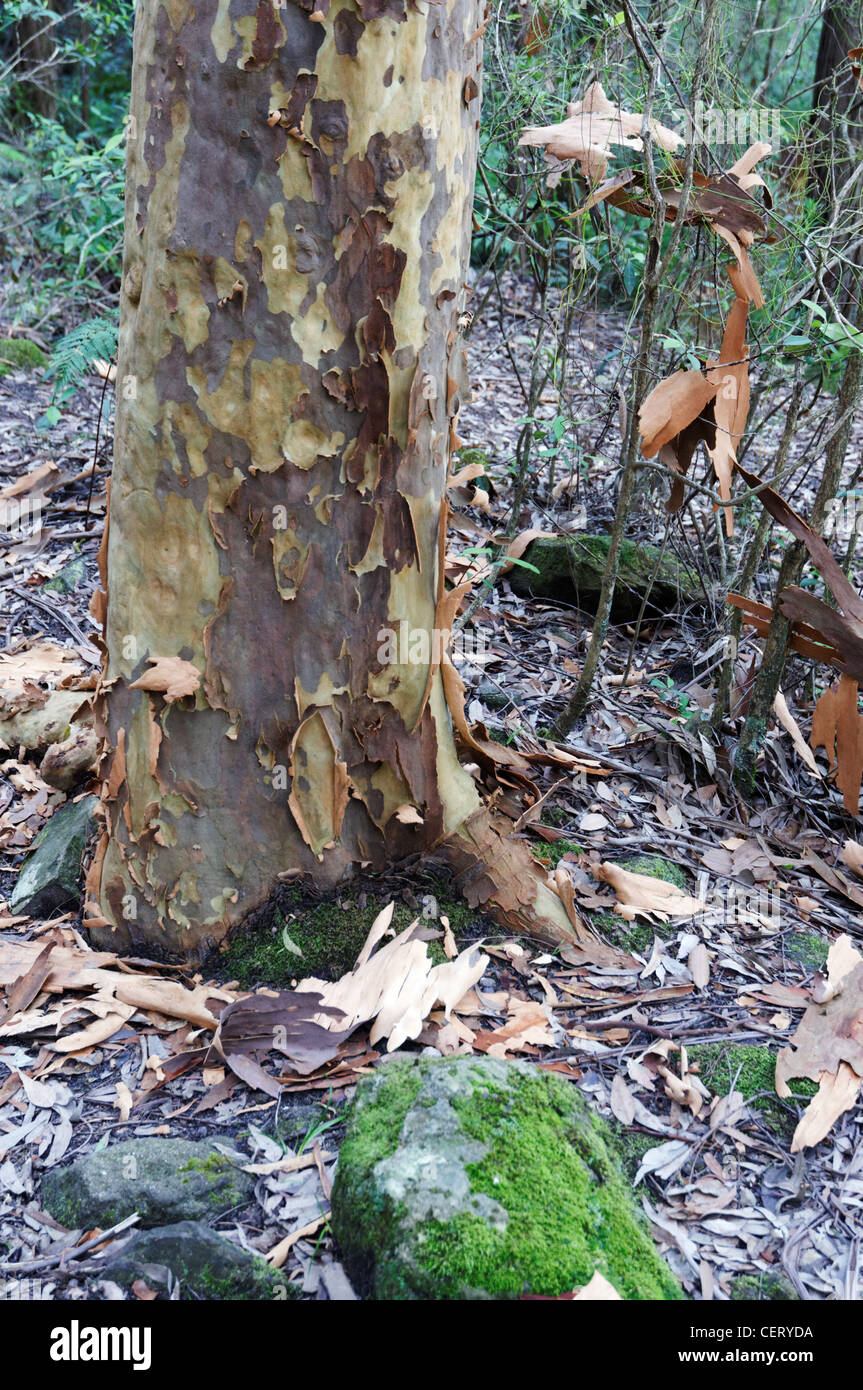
x=73, y=355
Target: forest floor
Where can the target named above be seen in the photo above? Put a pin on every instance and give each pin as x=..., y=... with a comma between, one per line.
x=669, y=1027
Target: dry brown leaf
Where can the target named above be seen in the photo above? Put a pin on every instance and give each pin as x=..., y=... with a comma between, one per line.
x=397, y=986
x=141, y=1289
x=698, y=962
x=804, y=639
x=837, y=726
x=171, y=676
x=528, y=1026
x=852, y=854
x=23, y=671
x=279, y=1253
x=788, y=722
x=836, y=1094
x=640, y=894
x=828, y=1046
x=46, y=473
x=730, y=375
x=115, y=1016
x=598, y=1290
x=672, y=406
x=124, y=1101
x=592, y=126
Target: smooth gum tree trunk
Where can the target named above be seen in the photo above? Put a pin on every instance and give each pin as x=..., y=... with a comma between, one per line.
x=299, y=192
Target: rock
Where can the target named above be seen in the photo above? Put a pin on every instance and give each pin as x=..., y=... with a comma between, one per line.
x=19, y=354
x=295, y=1120
x=164, y=1180
x=204, y=1261
x=67, y=763
x=46, y=723
x=48, y=882
x=491, y=696
x=478, y=1178
x=571, y=568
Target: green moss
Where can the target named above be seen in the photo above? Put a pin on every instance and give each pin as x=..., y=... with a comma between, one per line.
x=629, y=1146
x=628, y=936
x=654, y=866
x=808, y=948
x=214, y=1165
x=366, y=1145
x=554, y=815
x=556, y=1244
x=547, y=1162
x=552, y=854
x=244, y=1285
x=766, y=1287
x=16, y=353
x=751, y=1071
x=219, y=1169
x=322, y=939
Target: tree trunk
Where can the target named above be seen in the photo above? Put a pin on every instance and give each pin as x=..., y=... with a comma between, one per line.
x=833, y=91
x=298, y=215
x=36, y=72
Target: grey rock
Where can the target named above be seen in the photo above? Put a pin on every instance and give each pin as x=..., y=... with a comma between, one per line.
x=203, y=1260
x=477, y=1178
x=164, y=1180
x=48, y=882
x=294, y=1121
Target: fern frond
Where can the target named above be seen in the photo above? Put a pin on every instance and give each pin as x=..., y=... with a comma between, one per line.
x=75, y=353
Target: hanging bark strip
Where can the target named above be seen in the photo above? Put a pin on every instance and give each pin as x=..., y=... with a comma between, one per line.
x=297, y=224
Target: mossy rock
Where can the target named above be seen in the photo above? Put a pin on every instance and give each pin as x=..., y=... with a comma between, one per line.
x=48, y=881
x=206, y=1263
x=295, y=936
x=17, y=354
x=164, y=1180
x=755, y=1071
x=572, y=568
x=483, y=1179
x=71, y=577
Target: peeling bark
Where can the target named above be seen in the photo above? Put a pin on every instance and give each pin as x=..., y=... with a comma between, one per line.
x=299, y=192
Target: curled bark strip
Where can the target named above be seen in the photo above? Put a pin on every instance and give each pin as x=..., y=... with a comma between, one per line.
x=496, y=872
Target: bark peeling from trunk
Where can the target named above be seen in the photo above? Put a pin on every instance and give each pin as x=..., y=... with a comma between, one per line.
x=299, y=192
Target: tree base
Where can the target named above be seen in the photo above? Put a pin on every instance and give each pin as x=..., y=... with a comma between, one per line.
x=496, y=872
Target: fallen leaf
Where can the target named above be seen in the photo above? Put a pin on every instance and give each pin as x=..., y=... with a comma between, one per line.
x=645, y=895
